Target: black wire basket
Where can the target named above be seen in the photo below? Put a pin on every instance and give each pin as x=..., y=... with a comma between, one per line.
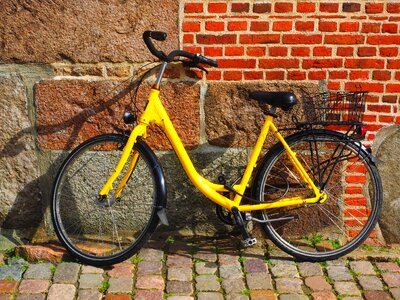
x=332, y=108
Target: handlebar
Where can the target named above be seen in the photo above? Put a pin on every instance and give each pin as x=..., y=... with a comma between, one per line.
x=161, y=36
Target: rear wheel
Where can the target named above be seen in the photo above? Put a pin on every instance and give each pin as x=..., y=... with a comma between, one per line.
x=340, y=167
x=106, y=231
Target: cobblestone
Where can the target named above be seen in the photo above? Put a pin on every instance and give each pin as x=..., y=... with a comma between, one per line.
x=90, y=281
x=307, y=269
x=61, y=292
x=207, y=283
x=148, y=295
x=33, y=286
x=285, y=270
x=39, y=271
x=230, y=271
x=206, y=268
x=180, y=274
x=89, y=295
x=149, y=267
x=259, y=281
x=66, y=273
x=388, y=267
x=339, y=273
x=289, y=285
x=209, y=296
x=370, y=283
x=391, y=279
x=120, y=285
x=362, y=267
x=180, y=288
x=317, y=283
x=235, y=285
x=292, y=297
x=376, y=295
x=347, y=288
x=254, y=266
x=263, y=295
x=150, y=282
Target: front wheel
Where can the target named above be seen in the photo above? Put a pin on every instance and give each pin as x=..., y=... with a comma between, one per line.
x=341, y=168
x=106, y=231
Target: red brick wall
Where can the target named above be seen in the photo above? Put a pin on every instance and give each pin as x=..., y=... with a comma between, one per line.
x=348, y=44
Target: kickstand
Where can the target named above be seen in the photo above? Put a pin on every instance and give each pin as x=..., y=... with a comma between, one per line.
x=248, y=240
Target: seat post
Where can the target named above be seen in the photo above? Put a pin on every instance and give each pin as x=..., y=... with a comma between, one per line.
x=272, y=111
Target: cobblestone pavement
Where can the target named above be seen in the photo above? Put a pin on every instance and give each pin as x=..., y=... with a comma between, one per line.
x=203, y=268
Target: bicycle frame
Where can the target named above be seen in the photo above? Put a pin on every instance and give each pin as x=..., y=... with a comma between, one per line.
x=156, y=113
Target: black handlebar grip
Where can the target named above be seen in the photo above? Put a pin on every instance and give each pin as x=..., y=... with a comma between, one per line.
x=208, y=61
x=158, y=35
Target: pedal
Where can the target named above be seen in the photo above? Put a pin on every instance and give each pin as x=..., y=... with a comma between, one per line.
x=249, y=242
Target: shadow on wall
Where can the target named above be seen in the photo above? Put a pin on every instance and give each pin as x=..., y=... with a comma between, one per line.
x=31, y=202
x=31, y=213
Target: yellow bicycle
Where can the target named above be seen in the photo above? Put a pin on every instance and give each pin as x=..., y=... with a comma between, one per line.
x=316, y=193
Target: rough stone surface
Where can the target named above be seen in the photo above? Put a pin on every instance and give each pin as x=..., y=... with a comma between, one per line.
x=370, y=283
x=120, y=285
x=20, y=203
x=289, y=285
x=148, y=294
x=233, y=120
x=50, y=253
x=307, y=269
x=180, y=287
x=292, y=297
x=89, y=32
x=71, y=111
x=207, y=283
x=66, y=273
x=325, y=295
x=284, y=270
x=33, y=286
x=90, y=281
x=206, y=268
x=374, y=295
x=11, y=272
x=61, y=292
x=317, y=283
x=180, y=274
x=89, y=295
x=263, y=295
x=388, y=151
x=209, y=296
x=362, y=267
x=346, y=288
x=8, y=286
x=235, y=285
x=339, y=273
x=150, y=282
x=149, y=254
x=149, y=267
x=391, y=279
x=39, y=271
x=259, y=281
x=91, y=270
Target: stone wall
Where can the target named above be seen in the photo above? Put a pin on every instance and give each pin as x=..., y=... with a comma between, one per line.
x=65, y=70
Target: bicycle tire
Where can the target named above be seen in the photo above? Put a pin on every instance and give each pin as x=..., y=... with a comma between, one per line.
x=104, y=232
x=331, y=229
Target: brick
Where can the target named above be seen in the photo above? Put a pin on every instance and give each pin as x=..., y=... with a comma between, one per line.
x=322, y=63
x=344, y=39
x=300, y=51
x=193, y=7
x=327, y=26
x=296, y=75
x=279, y=63
x=191, y=26
x=384, y=40
x=261, y=8
x=213, y=75
x=302, y=39
x=329, y=7
x=304, y=25
x=278, y=51
x=366, y=51
x=236, y=63
x=217, y=7
x=371, y=27
x=253, y=75
x=338, y=74
x=359, y=75
x=256, y=51
x=322, y=51
x=373, y=8
x=260, y=38
x=188, y=38
x=283, y=7
x=216, y=39
x=232, y=75
x=213, y=51
x=192, y=49
x=259, y=26
x=351, y=7
x=393, y=8
x=349, y=26
x=282, y=26
x=389, y=28
x=305, y=7
x=361, y=63
x=237, y=25
x=393, y=64
x=234, y=51
x=240, y=7
x=345, y=51
x=215, y=26
x=381, y=75
x=275, y=75
x=317, y=75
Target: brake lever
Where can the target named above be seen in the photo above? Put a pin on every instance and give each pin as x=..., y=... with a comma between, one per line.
x=192, y=64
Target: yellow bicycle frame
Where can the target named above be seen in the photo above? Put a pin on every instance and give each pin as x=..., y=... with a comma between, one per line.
x=156, y=113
